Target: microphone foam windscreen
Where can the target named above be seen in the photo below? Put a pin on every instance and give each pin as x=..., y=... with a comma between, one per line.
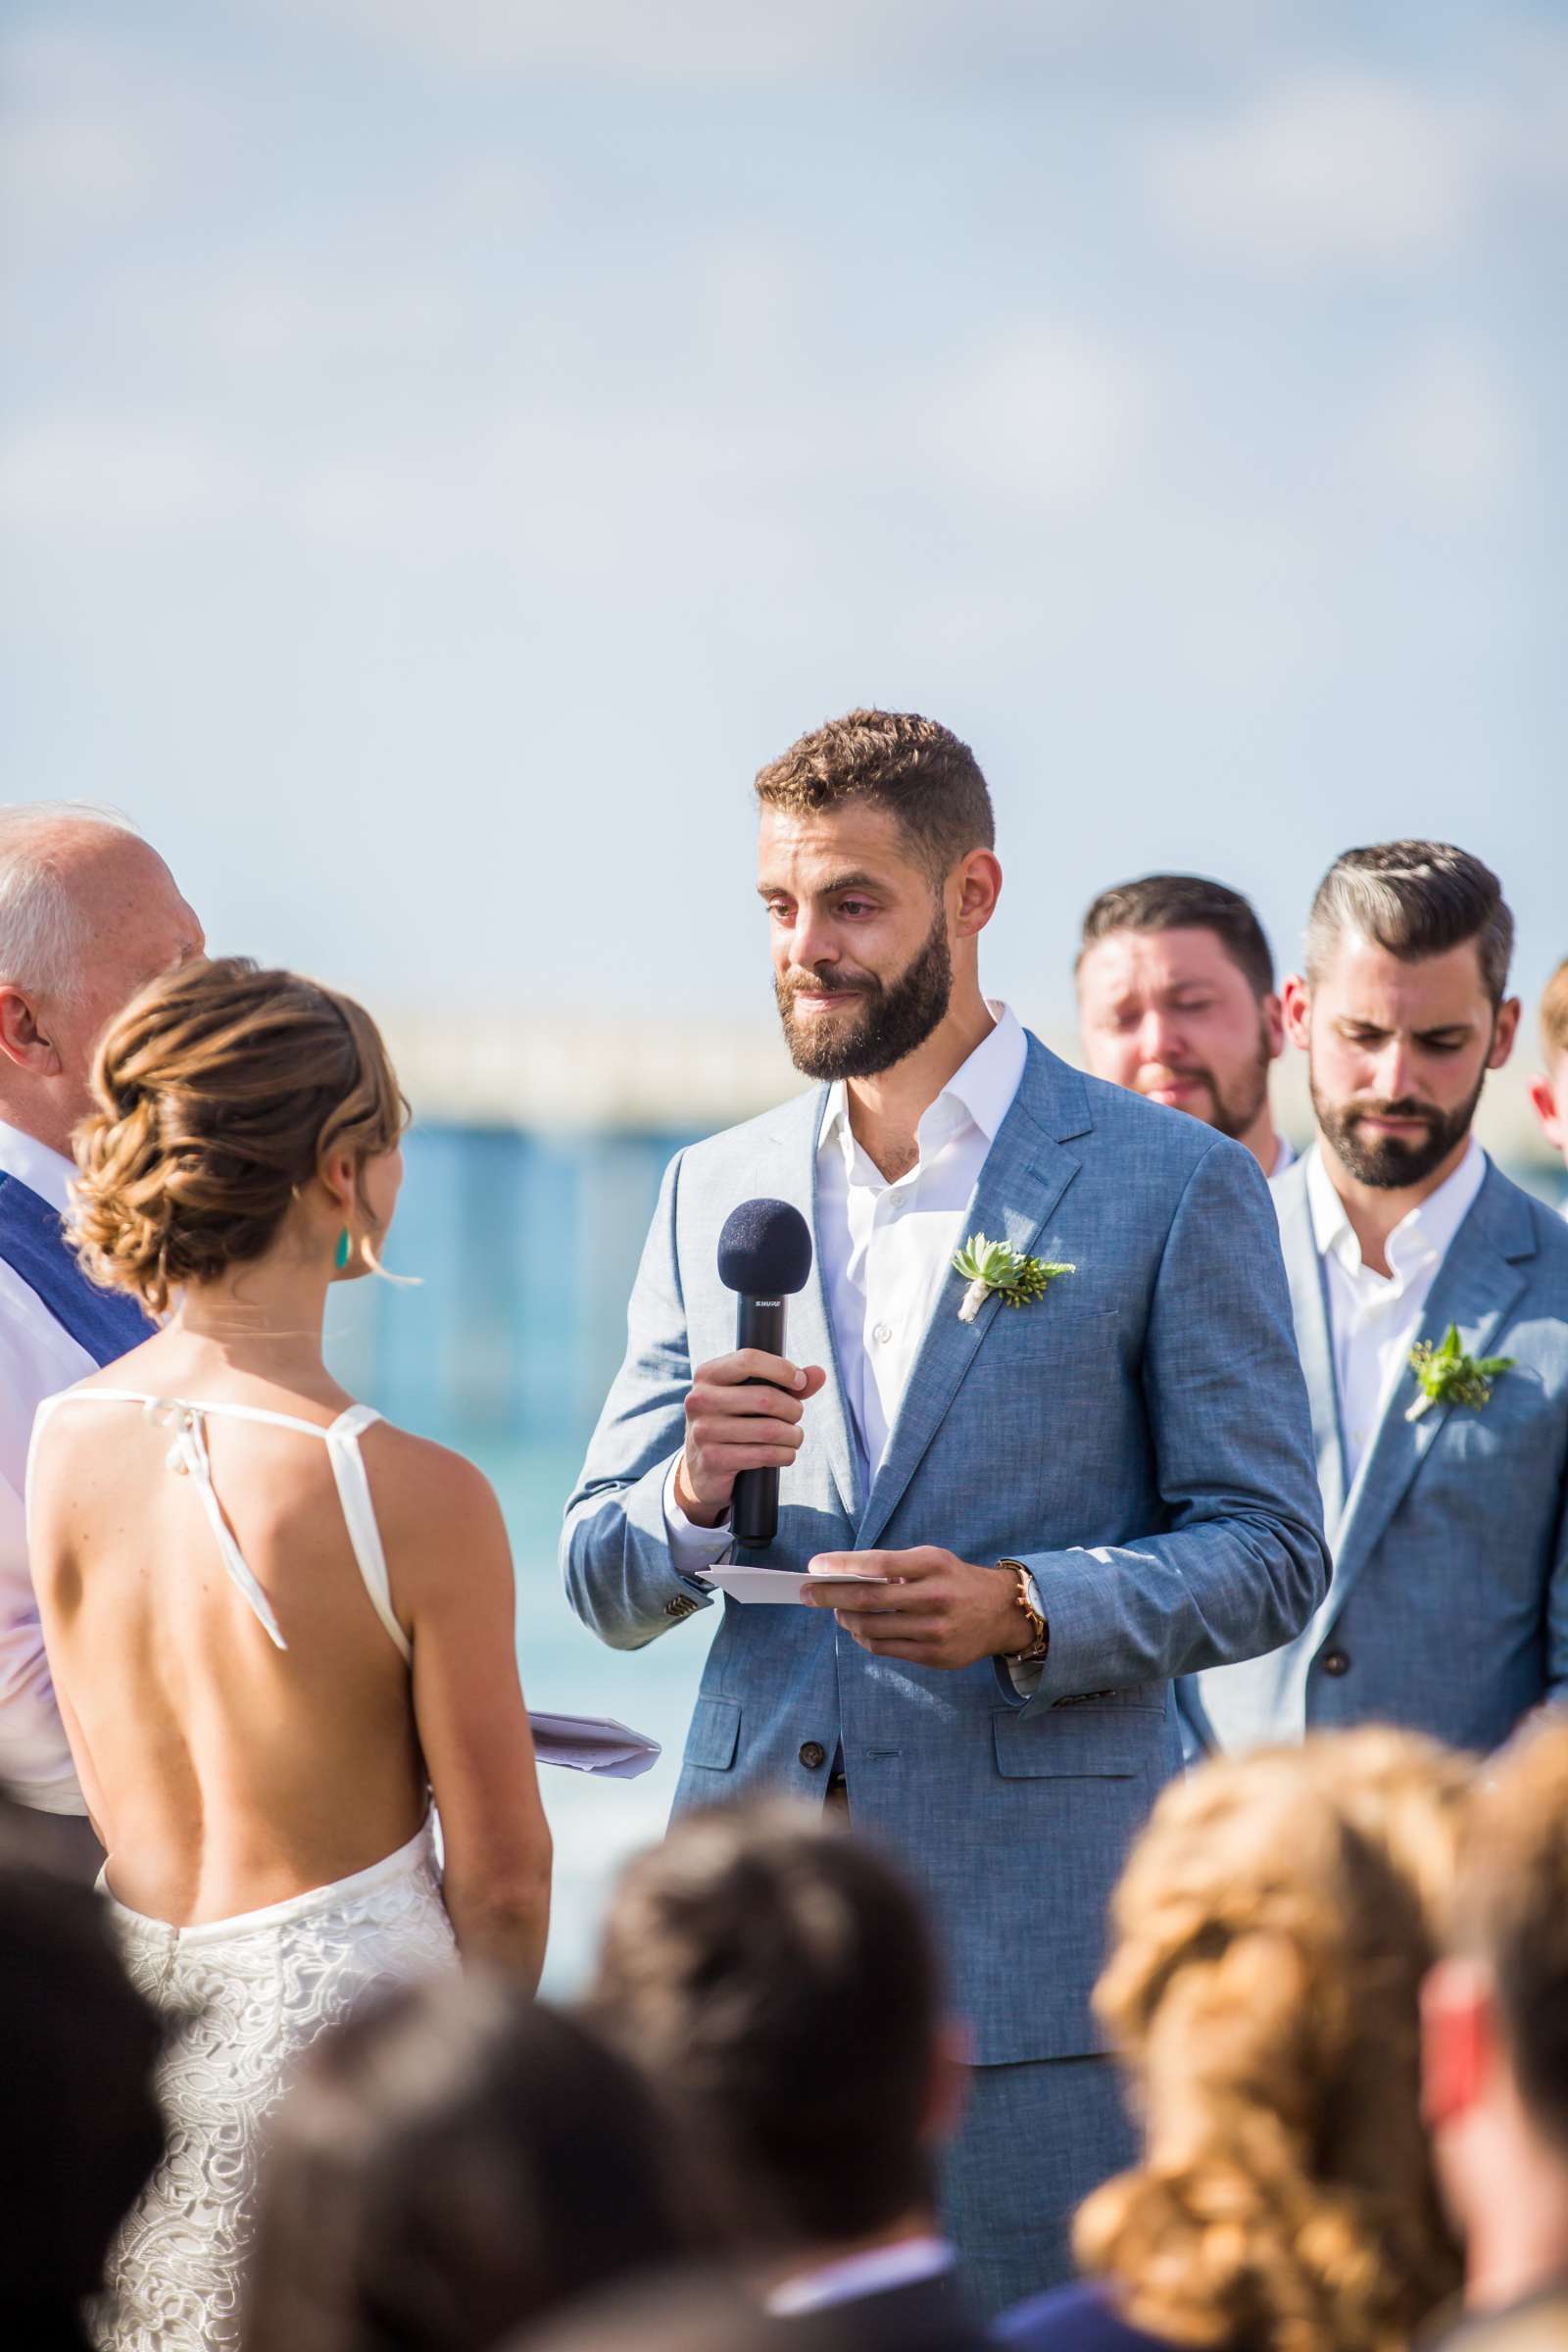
x=765, y=1249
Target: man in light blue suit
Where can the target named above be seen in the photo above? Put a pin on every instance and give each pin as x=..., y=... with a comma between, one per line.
x=1079, y=1497
x=1448, y=1513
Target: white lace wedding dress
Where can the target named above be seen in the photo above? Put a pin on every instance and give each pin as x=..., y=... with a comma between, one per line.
x=245, y=1998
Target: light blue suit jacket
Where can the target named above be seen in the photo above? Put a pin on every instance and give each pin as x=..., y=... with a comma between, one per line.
x=1139, y=1436
x=1448, y=1609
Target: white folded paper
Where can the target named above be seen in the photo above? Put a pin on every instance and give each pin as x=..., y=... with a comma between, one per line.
x=775, y=1588
x=593, y=1743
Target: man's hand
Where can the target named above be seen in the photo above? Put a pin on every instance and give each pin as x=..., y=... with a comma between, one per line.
x=731, y=1427
x=943, y=1611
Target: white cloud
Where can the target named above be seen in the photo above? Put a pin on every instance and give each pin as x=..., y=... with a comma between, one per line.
x=1348, y=169
x=99, y=473
x=1051, y=415
x=1447, y=432
x=88, y=135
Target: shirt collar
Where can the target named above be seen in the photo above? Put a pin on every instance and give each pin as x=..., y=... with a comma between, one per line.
x=905, y=2264
x=43, y=1171
x=1426, y=1233
x=980, y=1091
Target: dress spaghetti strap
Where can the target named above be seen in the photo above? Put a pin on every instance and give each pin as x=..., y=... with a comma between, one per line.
x=187, y=1454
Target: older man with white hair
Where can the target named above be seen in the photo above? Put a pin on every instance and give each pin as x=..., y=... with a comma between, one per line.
x=88, y=912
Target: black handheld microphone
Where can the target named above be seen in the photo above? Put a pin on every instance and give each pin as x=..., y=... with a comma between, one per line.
x=764, y=1252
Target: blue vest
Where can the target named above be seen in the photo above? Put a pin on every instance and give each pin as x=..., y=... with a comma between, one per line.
x=106, y=1323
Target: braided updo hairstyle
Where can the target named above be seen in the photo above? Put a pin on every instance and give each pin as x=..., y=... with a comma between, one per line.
x=220, y=1089
x=1270, y=1939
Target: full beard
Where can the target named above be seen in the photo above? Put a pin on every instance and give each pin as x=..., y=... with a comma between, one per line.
x=1236, y=1108
x=1388, y=1161
x=896, y=1018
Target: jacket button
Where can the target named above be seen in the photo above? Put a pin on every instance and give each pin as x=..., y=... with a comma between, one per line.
x=1335, y=1661
x=681, y=1607
x=813, y=1756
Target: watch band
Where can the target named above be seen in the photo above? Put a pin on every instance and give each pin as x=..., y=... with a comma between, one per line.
x=1040, y=1632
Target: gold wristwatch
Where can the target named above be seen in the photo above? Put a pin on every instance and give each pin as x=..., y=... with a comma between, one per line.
x=1038, y=1630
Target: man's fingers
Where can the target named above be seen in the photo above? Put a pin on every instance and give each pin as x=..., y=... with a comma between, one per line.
x=907, y=1566
x=751, y=1405
x=730, y=1429
x=754, y=1363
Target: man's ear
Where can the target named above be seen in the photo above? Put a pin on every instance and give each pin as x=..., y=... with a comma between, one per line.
x=1296, y=999
x=22, y=1041
x=1458, y=2041
x=1554, y=1120
x=1273, y=1013
x=978, y=878
x=1503, y=1033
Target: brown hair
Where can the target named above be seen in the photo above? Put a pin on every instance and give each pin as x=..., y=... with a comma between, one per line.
x=1271, y=1935
x=1185, y=903
x=221, y=1089
x=777, y=1979
x=892, y=759
x=1512, y=1908
x=455, y=2161
x=1555, y=1013
x=1414, y=899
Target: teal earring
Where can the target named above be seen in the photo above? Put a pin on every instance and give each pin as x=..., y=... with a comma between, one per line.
x=341, y=1254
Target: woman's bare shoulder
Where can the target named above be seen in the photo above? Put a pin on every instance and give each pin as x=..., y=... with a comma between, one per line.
x=421, y=1487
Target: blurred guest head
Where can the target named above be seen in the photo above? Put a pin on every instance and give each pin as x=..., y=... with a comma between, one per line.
x=776, y=1977
x=88, y=913
x=1495, y=2029
x=1550, y=1091
x=1403, y=1007
x=240, y=1115
x=877, y=868
x=78, y=2050
x=1270, y=1935
x=1176, y=1001
x=452, y=2165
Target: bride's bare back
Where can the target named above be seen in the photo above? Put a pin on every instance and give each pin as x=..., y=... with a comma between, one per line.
x=224, y=1772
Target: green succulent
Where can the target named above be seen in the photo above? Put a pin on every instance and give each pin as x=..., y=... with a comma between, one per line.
x=988, y=1266
x=1447, y=1376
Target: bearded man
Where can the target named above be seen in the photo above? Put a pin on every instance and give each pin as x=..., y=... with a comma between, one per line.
x=1074, y=1500
x=1431, y=1304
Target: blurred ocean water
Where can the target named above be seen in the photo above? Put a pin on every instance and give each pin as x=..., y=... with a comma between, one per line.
x=525, y=1248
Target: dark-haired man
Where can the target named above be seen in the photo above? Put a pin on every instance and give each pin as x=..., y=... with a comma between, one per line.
x=1075, y=1499
x=1176, y=999
x=776, y=1978
x=1444, y=1479
x=1495, y=2053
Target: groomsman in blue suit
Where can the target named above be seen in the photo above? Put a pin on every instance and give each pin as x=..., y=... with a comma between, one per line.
x=88, y=912
x=1081, y=1488
x=1431, y=1304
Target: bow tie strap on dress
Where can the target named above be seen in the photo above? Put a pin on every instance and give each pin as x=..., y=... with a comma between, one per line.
x=188, y=1454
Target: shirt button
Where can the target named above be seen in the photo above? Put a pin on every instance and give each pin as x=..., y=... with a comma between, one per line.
x=882, y=1332
x=813, y=1756
x=1335, y=1662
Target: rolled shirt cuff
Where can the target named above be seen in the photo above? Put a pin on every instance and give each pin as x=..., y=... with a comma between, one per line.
x=691, y=1548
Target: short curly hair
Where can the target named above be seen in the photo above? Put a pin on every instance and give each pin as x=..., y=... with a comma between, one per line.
x=891, y=760
x=221, y=1090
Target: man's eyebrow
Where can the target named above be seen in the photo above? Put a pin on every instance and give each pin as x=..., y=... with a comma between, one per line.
x=828, y=890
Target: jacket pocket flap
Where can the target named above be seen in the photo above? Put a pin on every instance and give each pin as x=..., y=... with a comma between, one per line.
x=715, y=1734
x=1081, y=1743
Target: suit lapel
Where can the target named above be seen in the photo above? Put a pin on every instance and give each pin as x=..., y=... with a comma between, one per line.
x=1024, y=1176
x=1478, y=1287
x=1309, y=1310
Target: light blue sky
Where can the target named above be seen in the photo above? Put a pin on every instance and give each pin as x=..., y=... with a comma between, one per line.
x=446, y=445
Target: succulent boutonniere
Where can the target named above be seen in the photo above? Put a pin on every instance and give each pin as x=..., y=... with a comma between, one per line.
x=1447, y=1376
x=989, y=1266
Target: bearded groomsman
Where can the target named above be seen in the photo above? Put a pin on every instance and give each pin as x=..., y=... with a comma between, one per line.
x=1176, y=999
x=1431, y=1304
x=1076, y=1497
x=88, y=913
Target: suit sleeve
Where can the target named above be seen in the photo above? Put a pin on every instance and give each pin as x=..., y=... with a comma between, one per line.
x=1241, y=1563
x=1557, y=1611
x=614, y=1546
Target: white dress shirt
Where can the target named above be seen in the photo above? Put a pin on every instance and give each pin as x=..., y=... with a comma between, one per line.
x=1283, y=1156
x=887, y=1249
x=37, y=1358
x=1374, y=1318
